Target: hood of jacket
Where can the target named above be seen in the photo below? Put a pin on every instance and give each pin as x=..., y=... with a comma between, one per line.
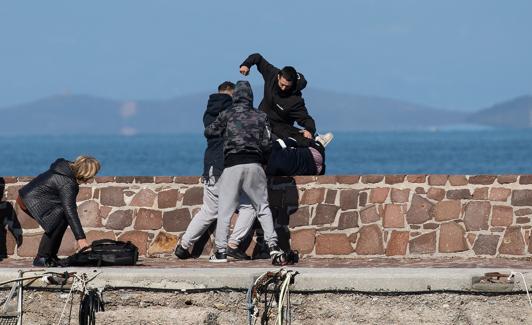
x=301, y=82
x=62, y=167
x=243, y=95
x=216, y=104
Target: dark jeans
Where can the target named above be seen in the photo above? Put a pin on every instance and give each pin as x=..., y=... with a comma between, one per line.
x=50, y=242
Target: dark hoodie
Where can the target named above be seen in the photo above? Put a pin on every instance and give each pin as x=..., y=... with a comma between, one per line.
x=214, y=154
x=294, y=159
x=245, y=130
x=282, y=109
x=51, y=196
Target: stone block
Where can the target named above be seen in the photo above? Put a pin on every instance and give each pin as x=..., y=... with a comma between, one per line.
x=480, y=193
x=471, y=239
x=299, y=217
x=348, y=199
x=525, y=179
x=436, y=194
x=482, y=179
x=423, y=244
x=11, y=192
x=303, y=240
x=522, y=198
x=29, y=245
x=164, y=179
x=119, y=220
x=522, y=220
x=370, y=241
x=104, y=179
x=313, y=196
x=452, y=238
x=125, y=179
x=330, y=198
x=397, y=243
x=69, y=245
x=476, y=215
x=457, y=180
x=112, y=196
x=502, y=215
x=362, y=199
x=512, y=242
x=176, y=220
x=333, y=244
x=85, y=193
x=378, y=195
x=369, y=215
x=188, y=180
x=348, y=179
x=419, y=210
x=144, y=198
x=326, y=179
x=462, y=194
x=486, y=244
x=438, y=180
x=104, y=211
x=446, y=210
x=167, y=199
x=301, y=180
x=348, y=220
x=499, y=194
x=523, y=212
x=163, y=243
x=372, y=179
x=138, y=238
x=400, y=196
x=420, y=190
x=193, y=196
x=506, y=179
x=325, y=214
x=89, y=214
x=393, y=216
x=144, y=179
x=148, y=219
x=93, y=235
x=394, y=179
x=416, y=178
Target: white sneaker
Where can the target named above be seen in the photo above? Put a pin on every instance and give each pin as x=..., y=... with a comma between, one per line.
x=324, y=139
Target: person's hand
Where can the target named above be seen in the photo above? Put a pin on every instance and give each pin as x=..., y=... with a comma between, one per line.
x=307, y=134
x=244, y=70
x=82, y=243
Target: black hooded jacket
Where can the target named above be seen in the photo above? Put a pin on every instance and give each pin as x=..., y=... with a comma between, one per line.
x=245, y=130
x=51, y=196
x=214, y=154
x=282, y=111
x=294, y=159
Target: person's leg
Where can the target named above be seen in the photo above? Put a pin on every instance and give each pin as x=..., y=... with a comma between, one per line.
x=244, y=223
x=256, y=187
x=205, y=216
x=50, y=242
x=229, y=184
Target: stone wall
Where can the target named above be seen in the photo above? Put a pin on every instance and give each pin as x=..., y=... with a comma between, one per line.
x=345, y=216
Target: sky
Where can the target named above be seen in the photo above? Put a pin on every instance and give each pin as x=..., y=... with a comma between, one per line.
x=459, y=55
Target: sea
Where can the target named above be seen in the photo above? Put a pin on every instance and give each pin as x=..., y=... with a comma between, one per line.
x=350, y=153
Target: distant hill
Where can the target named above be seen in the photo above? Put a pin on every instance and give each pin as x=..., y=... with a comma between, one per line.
x=515, y=113
x=82, y=114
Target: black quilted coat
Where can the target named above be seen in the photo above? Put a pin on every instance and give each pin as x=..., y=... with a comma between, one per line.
x=51, y=196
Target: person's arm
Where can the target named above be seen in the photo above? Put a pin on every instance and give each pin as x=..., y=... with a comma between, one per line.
x=216, y=128
x=300, y=114
x=266, y=69
x=266, y=140
x=67, y=195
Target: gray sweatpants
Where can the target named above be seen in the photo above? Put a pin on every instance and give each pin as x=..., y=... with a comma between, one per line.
x=248, y=179
x=208, y=213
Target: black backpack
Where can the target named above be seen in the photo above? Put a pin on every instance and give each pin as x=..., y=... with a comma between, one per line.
x=105, y=252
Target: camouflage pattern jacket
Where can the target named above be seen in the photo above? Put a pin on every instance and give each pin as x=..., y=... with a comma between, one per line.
x=246, y=131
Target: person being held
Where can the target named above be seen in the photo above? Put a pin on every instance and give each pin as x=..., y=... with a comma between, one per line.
x=50, y=199
x=290, y=158
x=283, y=101
x=247, y=139
x=213, y=165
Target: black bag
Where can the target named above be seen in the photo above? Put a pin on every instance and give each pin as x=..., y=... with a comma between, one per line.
x=105, y=252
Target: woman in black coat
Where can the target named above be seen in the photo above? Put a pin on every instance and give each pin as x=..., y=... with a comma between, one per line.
x=50, y=199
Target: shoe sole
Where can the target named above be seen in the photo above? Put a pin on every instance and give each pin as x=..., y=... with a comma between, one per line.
x=218, y=261
x=239, y=258
x=326, y=142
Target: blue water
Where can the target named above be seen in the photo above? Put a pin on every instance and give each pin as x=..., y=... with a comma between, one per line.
x=447, y=152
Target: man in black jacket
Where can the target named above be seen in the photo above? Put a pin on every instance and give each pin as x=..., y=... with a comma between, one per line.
x=283, y=101
x=213, y=167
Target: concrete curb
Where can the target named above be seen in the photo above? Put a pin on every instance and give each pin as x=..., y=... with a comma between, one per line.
x=385, y=280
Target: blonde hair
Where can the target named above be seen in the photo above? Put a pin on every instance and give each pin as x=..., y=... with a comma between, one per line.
x=85, y=167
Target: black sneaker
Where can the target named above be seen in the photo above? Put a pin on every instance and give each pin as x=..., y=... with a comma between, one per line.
x=237, y=254
x=182, y=253
x=275, y=250
x=40, y=261
x=218, y=257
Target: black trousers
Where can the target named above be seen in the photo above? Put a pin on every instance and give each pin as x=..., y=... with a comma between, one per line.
x=50, y=242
